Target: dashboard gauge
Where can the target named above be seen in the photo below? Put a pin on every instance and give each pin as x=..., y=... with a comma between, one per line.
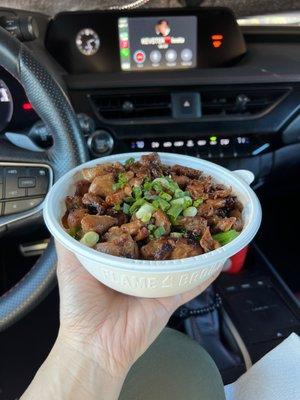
x=6, y=105
x=87, y=42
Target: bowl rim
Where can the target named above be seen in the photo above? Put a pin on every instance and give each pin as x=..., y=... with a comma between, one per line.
x=203, y=260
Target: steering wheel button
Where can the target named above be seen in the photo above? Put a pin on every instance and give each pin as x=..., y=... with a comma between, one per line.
x=12, y=207
x=41, y=177
x=27, y=182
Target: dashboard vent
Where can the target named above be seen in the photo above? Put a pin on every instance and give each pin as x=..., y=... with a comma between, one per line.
x=239, y=102
x=216, y=104
x=133, y=106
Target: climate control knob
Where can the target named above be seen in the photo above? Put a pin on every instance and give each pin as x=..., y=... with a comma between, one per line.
x=100, y=143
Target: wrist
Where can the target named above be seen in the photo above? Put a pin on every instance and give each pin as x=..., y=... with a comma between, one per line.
x=69, y=373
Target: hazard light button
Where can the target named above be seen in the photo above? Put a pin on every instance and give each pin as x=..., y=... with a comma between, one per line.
x=186, y=105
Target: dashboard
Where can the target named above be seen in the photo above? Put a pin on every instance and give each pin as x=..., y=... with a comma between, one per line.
x=189, y=81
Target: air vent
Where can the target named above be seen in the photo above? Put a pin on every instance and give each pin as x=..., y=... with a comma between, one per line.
x=216, y=103
x=239, y=102
x=133, y=106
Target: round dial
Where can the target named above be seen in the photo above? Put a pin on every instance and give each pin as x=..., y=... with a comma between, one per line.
x=87, y=42
x=6, y=105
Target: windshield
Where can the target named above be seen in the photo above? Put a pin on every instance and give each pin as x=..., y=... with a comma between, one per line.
x=281, y=19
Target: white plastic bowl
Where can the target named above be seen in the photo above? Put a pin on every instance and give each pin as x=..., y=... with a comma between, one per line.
x=155, y=278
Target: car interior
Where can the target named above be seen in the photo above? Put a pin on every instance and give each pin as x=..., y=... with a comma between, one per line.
x=81, y=81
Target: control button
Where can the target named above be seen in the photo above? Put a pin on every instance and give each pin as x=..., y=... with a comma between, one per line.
x=41, y=176
x=27, y=182
x=155, y=56
x=139, y=56
x=171, y=55
x=186, y=105
x=12, y=207
x=186, y=55
x=100, y=142
x=226, y=147
x=12, y=174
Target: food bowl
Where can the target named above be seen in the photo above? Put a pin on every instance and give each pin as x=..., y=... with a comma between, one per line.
x=153, y=279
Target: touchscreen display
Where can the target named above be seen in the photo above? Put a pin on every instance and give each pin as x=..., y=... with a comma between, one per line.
x=162, y=43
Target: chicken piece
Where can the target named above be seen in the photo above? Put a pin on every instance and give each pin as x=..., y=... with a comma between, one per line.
x=182, y=249
x=73, y=202
x=97, y=223
x=103, y=185
x=161, y=219
x=225, y=224
x=82, y=187
x=101, y=169
x=109, y=248
x=238, y=225
x=139, y=170
x=127, y=247
x=157, y=249
x=132, y=227
x=136, y=182
x=207, y=242
x=128, y=175
x=116, y=198
x=142, y=234
x=193, y=224
x=189, y=172
x=121, y=217
x=199, y=188
x=181, y=180
x=205, y=210
x=75, y=216
x=221, y=191
x=216, y=203
x=153, y=163
x=94, y=203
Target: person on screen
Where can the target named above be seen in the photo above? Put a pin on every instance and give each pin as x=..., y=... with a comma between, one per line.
x=162, y=28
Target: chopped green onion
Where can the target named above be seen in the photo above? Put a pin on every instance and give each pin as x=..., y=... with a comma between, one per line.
x=165, y=196
x=122, y=180
x=174, y=212
x=145, y=212
x=149, y=196
x=74, y=231
x=136, y=205
x=184, y=202
x=129, y=161
x=126, y=208
x=159, y=232
x=137, y=192
x=90, y=239
x=226, y=237
x=180, y=193
x=176, y=235
x=161, y=203
x=117, y=207
x=151, y=227
x=129, y=200
x=198, y=202
x=165, y=182
x=147, y=185
x=190, y=212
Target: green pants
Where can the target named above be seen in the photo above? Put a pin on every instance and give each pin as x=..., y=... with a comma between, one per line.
x=174, y=367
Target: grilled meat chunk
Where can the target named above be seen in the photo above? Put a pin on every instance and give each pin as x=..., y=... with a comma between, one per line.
x=73, y=202
x=207, y=242
x=121, y=243
x=162, y=220
x=103, y=185
x=157, y=249
x=94, y=203
x=183, y=249
x=189, y=172
x=75, y=216
x=225, y=224
x=97, y=223
x=102, y=169
x=181, y=180
x=82, y=187
x=193, y=224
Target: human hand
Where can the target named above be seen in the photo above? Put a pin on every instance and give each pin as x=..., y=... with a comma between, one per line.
x=111, y=328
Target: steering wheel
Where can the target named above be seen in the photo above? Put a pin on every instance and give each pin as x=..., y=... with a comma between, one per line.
x=69, y=149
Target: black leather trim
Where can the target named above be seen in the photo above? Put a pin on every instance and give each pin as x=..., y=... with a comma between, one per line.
x=69, y=150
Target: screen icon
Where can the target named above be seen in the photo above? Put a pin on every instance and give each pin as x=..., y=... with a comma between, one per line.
x=171, y=55
x=217, y=40
x=155, y=56
x=139, y=56
x=186, y=55
x=162, y=28
x=124, y=44
x=125, y=52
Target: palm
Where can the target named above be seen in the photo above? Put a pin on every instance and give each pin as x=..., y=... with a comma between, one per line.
x=107, y=322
